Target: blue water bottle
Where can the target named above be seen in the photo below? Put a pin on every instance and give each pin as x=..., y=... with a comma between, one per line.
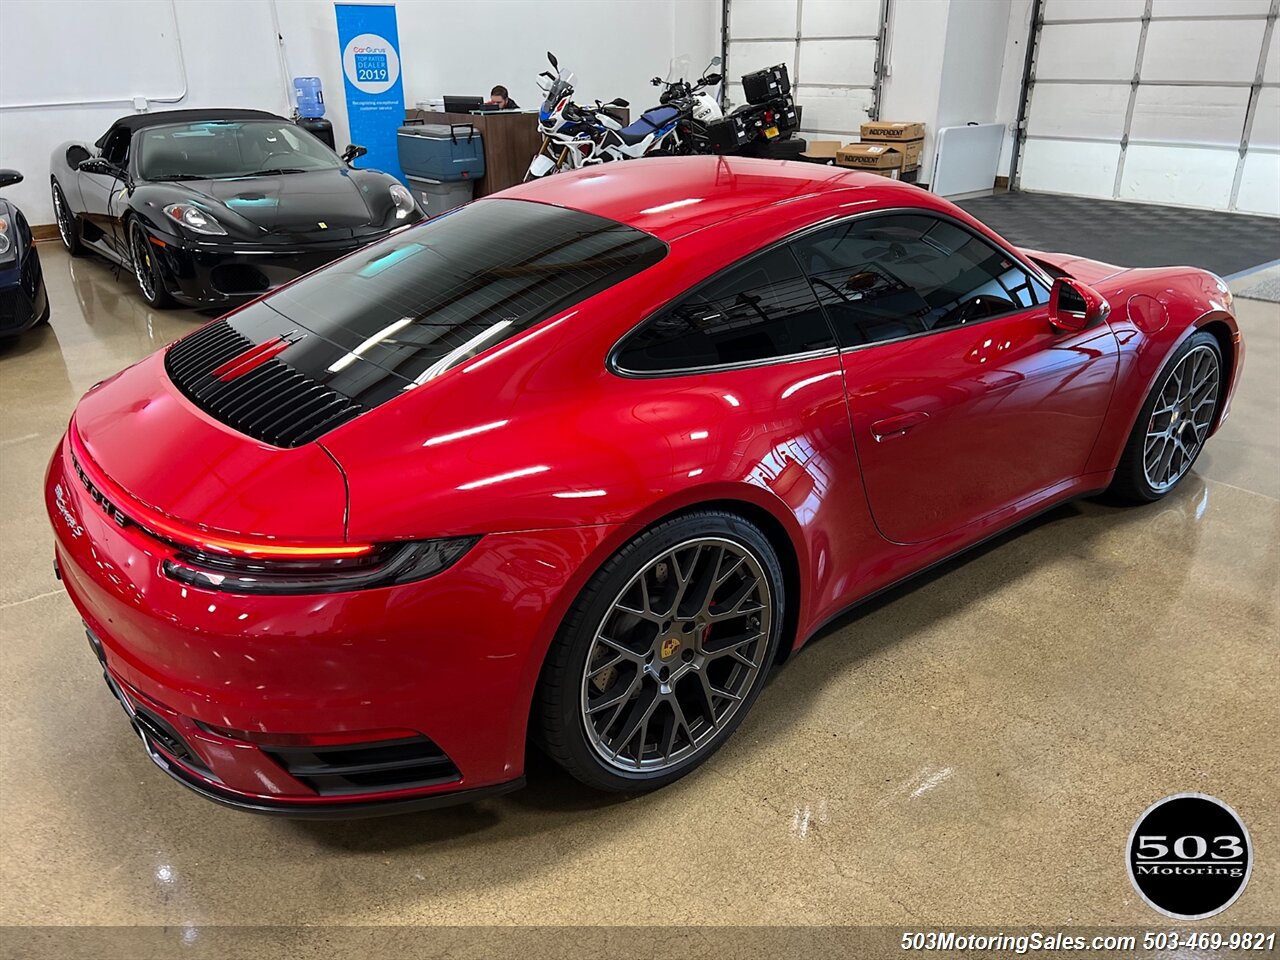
x=309, y=95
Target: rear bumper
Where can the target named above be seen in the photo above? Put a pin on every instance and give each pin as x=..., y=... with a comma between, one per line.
x=229, y=685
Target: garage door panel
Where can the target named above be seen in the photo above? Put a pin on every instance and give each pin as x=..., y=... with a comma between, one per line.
x=748, y=57
x=1202, y=50
x=1077, y=110
x=1266, y=120
x=1093, y=9
x=834, y=111
x=1087, y=51
x=846, y=62
x=1260, y=183
x=1198, y=8
x=1189, y=114
x=1186, y=176
x=1057, y=166
x=762, y=18
x=840, y=18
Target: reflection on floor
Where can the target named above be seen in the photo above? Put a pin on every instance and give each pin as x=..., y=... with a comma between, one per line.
x=1131, y=234
x=970, y=750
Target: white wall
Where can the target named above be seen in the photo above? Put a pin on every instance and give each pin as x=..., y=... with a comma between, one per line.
x=232, y=59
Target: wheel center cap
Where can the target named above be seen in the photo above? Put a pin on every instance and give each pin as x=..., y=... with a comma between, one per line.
x=669, y=648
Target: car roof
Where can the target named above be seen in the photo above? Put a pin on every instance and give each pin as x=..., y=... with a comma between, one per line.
x=671, y=197
x=140, y=121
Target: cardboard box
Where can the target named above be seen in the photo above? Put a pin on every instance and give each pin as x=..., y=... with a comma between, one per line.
x=821, y=151
x=884, y=131
x=872, y=157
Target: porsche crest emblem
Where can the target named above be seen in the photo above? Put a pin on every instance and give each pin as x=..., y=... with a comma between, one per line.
x=669, y=647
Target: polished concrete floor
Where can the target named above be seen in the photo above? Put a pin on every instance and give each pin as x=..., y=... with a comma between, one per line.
x=973, y=749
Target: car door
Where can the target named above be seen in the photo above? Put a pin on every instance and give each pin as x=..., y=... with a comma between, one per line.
x=101, y=181
x=963, y=398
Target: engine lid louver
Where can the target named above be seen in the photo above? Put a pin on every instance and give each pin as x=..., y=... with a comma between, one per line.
x=271, y=401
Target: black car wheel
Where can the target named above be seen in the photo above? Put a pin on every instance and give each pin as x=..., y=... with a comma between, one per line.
x=662, y=654
x=1174, y=422
x=68, y=227
x=147, y=269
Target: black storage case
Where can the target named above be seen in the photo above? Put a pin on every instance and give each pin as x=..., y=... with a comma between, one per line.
x=727, y=134
x=766, y=84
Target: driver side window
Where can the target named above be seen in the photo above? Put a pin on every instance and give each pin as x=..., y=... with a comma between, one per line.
x=887, y=277
x=116, y=149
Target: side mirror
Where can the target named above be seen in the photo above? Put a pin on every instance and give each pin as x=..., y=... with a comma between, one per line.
x=353, y=152
x=552, y=57
x=1075, y=306
x=97, y=165
x=619, y=102
x=9, y=177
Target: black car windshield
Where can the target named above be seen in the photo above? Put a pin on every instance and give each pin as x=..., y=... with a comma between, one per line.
x=225, y=149
x=427, y=299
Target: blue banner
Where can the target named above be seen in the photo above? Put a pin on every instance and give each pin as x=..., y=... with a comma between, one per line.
x=370, y=46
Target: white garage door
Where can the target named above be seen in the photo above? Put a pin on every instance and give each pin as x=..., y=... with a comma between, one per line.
x=1170, y=101
x=831, y=49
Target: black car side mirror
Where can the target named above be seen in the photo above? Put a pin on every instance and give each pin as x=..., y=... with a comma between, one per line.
x=97, y=165
x=353, y=152
x=9, y=177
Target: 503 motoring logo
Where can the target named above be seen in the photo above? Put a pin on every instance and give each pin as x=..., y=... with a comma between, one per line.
x=1189, y=856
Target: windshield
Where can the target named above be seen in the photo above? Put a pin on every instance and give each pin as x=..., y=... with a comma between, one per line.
x=217, y=150
x=560, y=88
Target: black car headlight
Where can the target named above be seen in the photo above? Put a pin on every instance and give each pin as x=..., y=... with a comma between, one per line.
x=8, y=246
x=385, y=565
x=403, y=199
x=195, y=219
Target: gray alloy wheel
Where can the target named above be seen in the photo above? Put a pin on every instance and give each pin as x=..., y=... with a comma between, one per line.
x=1179, y=423
x=662, y=653
x=146, y=270
x=67, y=229
x=674, y=656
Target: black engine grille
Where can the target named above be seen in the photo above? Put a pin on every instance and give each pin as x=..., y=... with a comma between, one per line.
x=364, y=768
x=273, y=402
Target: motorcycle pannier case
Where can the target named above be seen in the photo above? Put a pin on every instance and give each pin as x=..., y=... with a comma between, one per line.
x=727, y=134
x=766, y=84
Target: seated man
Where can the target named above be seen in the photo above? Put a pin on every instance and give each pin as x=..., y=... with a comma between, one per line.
x=500, y=100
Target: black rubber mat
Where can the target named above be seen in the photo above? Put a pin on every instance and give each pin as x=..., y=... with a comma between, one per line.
x=1131, y=234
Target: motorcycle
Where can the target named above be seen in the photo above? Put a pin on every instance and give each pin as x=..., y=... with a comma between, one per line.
x=575, y=136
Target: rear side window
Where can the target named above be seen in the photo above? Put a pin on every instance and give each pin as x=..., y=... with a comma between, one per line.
x=432, y=297
x=759, y=310
x=882, y=278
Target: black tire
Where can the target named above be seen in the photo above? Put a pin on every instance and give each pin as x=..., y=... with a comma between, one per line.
x=1131, y=483
x=148, y=273
x=68, y=223
x=559, y=723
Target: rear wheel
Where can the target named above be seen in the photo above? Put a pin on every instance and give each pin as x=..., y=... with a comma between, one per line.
x=147, y=270
x=663, y=653
x=68, y=227
x=1174, y=422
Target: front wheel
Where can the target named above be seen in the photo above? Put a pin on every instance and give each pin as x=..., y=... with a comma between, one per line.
x=1173, y=424
x=146, y=269
x=68, y=225
x=663, y=653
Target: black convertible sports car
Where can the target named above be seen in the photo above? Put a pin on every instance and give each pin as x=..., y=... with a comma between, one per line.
x=23, y=301
x=214, y=207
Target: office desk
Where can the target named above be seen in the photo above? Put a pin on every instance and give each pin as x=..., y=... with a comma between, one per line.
x=510, y=141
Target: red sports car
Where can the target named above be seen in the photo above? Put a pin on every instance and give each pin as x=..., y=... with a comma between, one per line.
x=579, y=463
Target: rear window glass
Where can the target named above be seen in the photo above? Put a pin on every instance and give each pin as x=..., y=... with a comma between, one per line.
x=432, y=297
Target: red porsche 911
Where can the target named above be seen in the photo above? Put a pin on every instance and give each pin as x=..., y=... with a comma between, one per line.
x=579, y=463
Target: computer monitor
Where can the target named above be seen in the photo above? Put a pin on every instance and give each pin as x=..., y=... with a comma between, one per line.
x=462, y=104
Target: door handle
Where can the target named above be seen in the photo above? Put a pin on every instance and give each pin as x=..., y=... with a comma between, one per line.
x=892, y=427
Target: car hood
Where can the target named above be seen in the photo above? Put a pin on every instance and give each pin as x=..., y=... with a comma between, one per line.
x=145, y=437
x=324, y=204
